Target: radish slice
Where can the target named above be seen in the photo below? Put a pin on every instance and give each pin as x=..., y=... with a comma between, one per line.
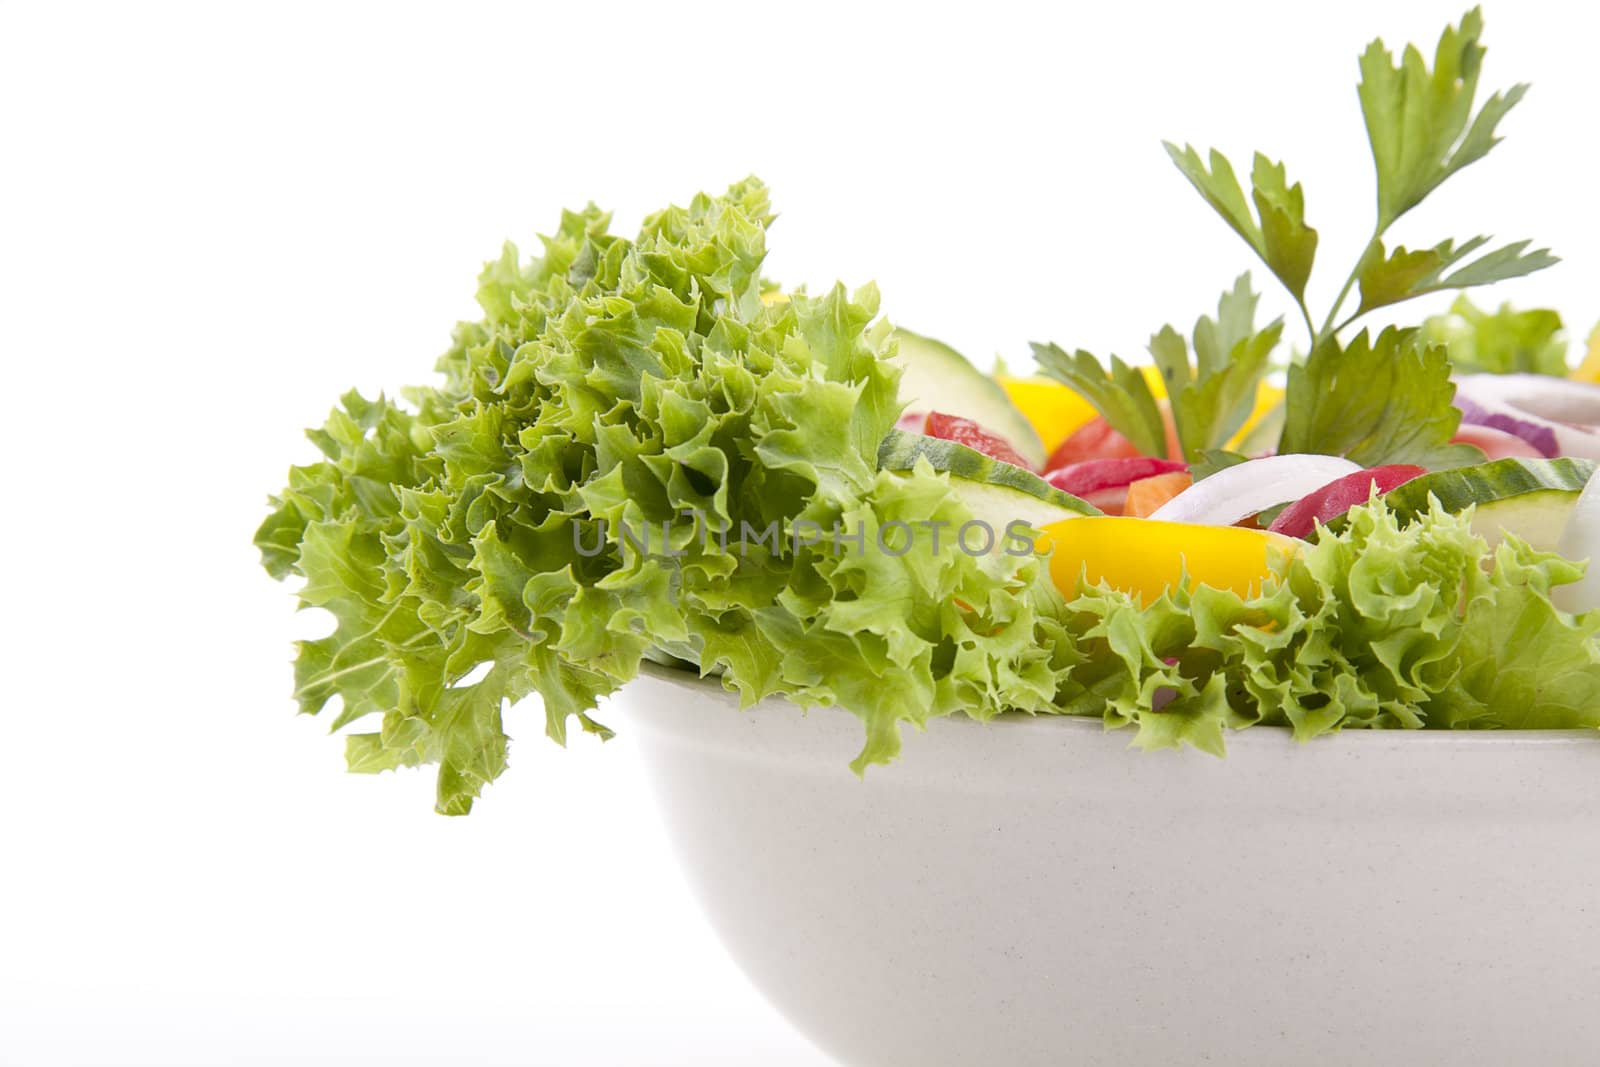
x=1580, y=540
x=1497, y=444
x=1300, y=519
x=1553, y=410
x=1104, y=482
x=1091, y=475
x=1240, y=491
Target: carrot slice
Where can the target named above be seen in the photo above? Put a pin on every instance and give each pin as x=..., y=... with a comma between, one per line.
x=1148, y=494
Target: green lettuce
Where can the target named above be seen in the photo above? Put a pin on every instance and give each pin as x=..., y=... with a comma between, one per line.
x=641, y=386
x=1500, y=342
x=1383, y=625
x=639, y=454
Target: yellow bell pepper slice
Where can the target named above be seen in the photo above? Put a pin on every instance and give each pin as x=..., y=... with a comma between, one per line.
x=1589, y=369
x=1145, y=557
x=1051, y=408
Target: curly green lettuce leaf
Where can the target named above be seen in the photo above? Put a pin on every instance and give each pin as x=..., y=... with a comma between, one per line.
x=615, y=468
x=1524, y=664
x=1383, y=625
x=1506, y=341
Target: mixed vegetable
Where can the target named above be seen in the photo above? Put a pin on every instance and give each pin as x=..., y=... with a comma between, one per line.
x=1206, y=435
x=646, y=451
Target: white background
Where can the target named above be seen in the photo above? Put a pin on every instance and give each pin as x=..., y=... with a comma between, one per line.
x=214, y=220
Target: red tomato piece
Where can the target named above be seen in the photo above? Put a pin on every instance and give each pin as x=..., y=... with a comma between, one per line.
x=1339, y=496
x=966, y=432
x=1096, y=439
x=1089, y=475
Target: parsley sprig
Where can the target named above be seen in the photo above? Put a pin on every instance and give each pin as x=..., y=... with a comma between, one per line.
x=1423, y=128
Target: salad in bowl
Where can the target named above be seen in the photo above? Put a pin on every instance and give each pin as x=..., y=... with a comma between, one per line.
x=647, y=451
x=649, y=461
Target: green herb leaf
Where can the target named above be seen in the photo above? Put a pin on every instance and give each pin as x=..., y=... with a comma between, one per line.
x=1118, y=392
x=1389, y=278
x=1376, y=401
x=1420, y=121
x=1211, y=399
x=1215, y=340
x=1281, y=237
x=1214, y=460
x=1290, y=245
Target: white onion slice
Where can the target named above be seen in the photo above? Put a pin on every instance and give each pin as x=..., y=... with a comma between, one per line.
x=1569, y=410
x=1580, y=540
x=1240, y=491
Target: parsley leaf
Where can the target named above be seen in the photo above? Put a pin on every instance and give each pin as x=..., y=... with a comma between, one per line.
x=1376, y=401
x=1420, y=121
x=1281, y=237
x=1211, y=399
x=1422, y=128
x=1118, y=392
x=1403, y=274
x=1387, y=400
x=1214, y=460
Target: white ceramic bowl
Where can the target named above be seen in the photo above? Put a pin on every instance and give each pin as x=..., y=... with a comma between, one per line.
x=1031, y=891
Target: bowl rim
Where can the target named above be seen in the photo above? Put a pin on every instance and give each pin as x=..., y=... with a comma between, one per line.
x=1022, y=721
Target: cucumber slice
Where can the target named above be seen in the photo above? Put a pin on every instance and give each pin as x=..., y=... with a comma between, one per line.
x=935, y=377
x=1531, y=498
x=996, y=492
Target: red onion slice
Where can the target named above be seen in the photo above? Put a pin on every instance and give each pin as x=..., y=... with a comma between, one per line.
x=1558, y=416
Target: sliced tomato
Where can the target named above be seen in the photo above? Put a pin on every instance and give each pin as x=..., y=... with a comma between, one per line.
x=1339, y=496
x=966, y=432
x=1096, y=439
